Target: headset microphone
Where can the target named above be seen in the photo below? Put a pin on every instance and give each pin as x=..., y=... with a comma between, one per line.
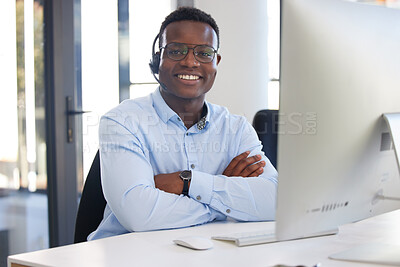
x=155, y=63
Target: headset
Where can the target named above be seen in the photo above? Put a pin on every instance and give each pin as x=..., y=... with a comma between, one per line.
x=155, y=59
x=155, y=63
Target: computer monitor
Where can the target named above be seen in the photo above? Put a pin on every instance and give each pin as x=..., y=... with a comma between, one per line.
x=340, y=71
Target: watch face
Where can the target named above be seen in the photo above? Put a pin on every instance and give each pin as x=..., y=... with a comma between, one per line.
x=186, y=175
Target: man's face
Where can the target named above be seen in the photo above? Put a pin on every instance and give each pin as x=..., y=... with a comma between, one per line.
x=188, y=78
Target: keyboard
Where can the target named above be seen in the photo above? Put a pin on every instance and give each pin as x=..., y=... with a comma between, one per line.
x=263, y=237
x=248, y=238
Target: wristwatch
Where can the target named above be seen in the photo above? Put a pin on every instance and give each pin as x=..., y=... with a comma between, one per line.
x=186, y=176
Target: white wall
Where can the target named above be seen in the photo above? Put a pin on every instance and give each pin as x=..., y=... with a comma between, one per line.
x=242, y=78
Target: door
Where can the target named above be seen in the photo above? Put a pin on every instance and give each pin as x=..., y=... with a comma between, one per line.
x=82, y=75
x=63, y=90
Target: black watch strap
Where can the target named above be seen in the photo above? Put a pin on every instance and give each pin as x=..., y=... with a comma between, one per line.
x=186, y=176
x=185, y=190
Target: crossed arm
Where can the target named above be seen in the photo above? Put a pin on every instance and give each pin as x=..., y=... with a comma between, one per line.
x=145, y=201
x=240, y=166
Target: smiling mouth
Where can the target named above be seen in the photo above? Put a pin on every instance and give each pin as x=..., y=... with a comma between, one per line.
x=188, y=77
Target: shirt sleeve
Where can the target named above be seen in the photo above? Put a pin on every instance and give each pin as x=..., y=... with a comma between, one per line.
x=244, y=199
x=129, y=188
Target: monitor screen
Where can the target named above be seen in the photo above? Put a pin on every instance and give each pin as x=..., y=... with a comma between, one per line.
x=340, y=71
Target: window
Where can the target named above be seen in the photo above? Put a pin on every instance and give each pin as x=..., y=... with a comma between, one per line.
x=99, y=22
x=23, y=171
x=144, y=24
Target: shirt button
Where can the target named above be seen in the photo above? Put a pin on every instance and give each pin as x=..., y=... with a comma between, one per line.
x=187, y=133
x=198, y=197
x=228, y=211
x=192, y=166
x=179, y=119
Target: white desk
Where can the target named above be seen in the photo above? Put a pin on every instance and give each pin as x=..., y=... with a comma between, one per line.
x=157, y=249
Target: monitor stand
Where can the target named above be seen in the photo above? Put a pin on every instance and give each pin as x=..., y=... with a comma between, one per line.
x=393, y=121
x=377, y=252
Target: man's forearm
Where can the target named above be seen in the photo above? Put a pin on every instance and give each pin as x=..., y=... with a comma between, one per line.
x=246, y=199
x=240, y=166
x=169, y=182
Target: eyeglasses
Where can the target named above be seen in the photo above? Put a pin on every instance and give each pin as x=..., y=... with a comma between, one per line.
x=178, y=51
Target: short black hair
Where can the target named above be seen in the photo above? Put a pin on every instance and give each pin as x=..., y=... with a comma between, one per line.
x=191, y=14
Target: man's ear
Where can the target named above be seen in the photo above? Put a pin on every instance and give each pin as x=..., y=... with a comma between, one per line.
x=218, y=58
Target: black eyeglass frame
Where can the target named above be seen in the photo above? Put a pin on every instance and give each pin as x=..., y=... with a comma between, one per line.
x=188, y=48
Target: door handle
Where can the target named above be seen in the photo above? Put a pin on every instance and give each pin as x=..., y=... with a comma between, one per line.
x=77, y=112
x=70, y=113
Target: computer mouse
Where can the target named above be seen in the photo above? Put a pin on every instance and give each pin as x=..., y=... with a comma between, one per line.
x=194, y=242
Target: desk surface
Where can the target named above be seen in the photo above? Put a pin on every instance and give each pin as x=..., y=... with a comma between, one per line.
x=157, y=249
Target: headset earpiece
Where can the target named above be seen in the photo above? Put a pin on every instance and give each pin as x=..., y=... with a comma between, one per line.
x=155, y=58
x=155, y=63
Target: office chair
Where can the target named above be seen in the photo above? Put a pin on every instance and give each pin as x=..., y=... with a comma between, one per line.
x=265, y=123
x=92, y=203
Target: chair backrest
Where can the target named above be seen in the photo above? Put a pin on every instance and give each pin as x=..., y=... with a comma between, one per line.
x=91, y=205
x=265, y=123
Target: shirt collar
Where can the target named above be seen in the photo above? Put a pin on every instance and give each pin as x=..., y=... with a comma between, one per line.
x=203, y=122
x=161, y=107
x=166, y=113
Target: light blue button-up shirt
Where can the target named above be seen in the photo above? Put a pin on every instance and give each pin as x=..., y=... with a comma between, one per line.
x=144, y=137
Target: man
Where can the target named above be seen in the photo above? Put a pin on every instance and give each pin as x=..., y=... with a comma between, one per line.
x=173, y=160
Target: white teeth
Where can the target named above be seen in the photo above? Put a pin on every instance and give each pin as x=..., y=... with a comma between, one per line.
x=188, y=77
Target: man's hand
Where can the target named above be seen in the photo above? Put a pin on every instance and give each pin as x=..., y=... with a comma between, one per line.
x=170, y=182
x=245, y=166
